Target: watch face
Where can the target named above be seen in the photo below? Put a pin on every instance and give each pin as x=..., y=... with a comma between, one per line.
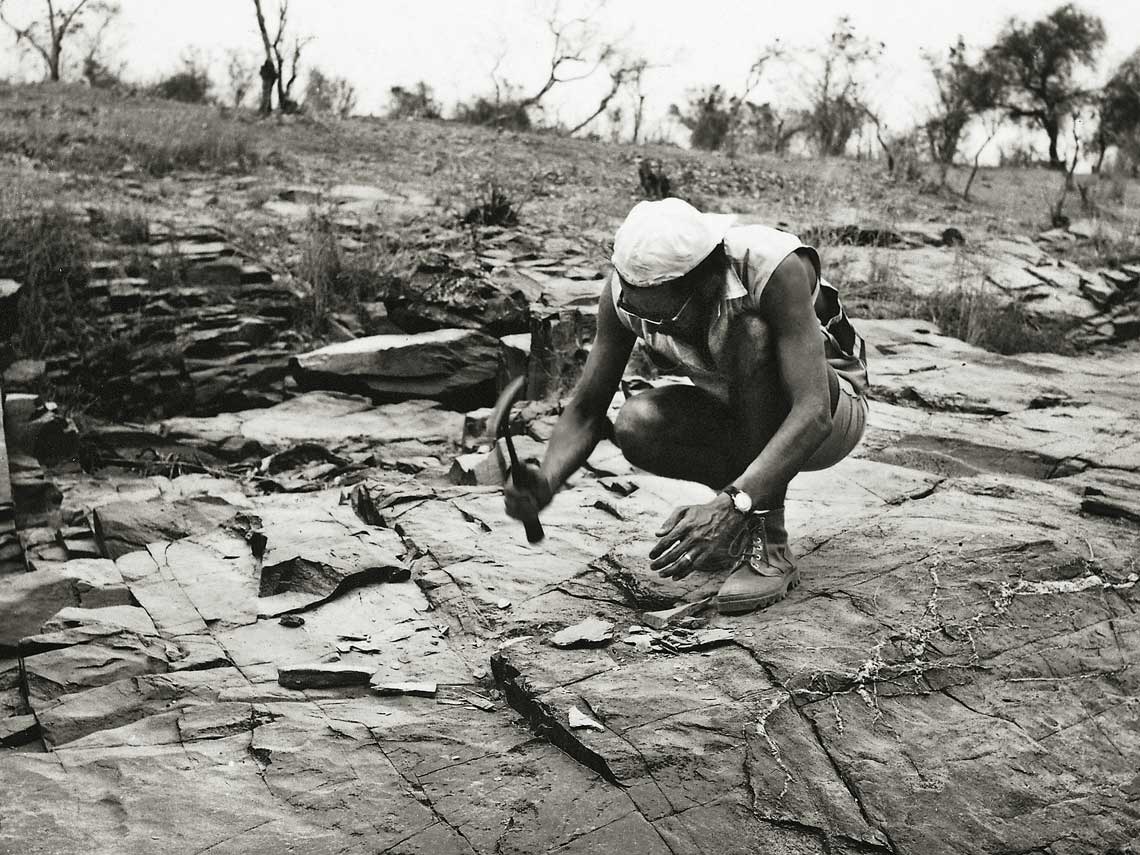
x=742, y=502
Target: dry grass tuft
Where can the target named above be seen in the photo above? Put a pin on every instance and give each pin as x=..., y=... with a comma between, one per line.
x=341, y=281
x=46, y=249
x=975, y=314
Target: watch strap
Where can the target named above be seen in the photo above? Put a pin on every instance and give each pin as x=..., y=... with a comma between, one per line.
x=732, y=491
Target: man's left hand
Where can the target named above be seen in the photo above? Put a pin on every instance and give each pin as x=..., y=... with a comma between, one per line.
x=695, y=535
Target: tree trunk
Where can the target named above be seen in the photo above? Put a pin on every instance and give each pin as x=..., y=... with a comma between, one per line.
x=54, y=61
x=1100, y=156
x=266, y=105
x=637, y=114
x=1053, y=129
x=977, y=164
x=267, y=81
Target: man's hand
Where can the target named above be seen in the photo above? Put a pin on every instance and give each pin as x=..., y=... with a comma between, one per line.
x=532, y=494
x=695, y=535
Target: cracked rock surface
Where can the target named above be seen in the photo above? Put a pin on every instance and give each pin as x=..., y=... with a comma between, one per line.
x=368, y=666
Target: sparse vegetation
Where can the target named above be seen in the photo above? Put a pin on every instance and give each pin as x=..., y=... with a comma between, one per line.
x=341, y=281
x=320, y=265
x=334, y=96
x=46, y=249
x=190, y=84
x=120, y=224
x=418, y=102
x=493, y=207
x=508, y=113
x=156, y=137
x=975, y=314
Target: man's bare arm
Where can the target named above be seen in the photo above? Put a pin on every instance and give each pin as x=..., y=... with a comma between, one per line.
x=583, y=422
x=786, y=306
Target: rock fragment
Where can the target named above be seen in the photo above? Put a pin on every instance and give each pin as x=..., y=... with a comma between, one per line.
x=416, y=690
x=323, y=675
x=579, y=719
x=591, y=632
x=666, y=617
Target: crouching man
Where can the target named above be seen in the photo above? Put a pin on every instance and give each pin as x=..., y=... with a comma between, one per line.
x=779, y=381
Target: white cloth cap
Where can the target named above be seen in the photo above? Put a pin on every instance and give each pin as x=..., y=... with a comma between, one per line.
x=664, y=240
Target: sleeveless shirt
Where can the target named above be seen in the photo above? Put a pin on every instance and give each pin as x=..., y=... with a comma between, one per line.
x=754, y=252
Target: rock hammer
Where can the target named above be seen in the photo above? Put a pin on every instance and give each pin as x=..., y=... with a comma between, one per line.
x=499, y=426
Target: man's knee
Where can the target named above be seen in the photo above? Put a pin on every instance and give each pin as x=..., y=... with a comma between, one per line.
x=638, y=419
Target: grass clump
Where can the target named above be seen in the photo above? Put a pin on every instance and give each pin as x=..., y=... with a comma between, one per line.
x=47, y=250
x=198, y=146
x=493, y=207
x=124, y=225
x=977, y=316
x=342, y=281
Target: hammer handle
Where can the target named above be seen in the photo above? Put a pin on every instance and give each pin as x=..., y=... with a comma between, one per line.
x=534, y=532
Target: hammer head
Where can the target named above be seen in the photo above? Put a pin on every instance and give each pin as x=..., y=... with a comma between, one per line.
x=499, y=423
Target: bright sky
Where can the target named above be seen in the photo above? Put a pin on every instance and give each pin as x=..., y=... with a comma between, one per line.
x=453, y=44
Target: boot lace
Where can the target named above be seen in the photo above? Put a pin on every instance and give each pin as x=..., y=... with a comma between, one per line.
x=752, y=538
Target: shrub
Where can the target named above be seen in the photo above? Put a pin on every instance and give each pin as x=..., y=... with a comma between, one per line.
x=329, y=95
x=190, y=84
x=415, y=103
x=493, y=207
x=101, y=76
x=508, y=114
x=709, y=118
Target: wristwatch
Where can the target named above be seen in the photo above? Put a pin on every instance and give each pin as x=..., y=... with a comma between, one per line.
x=740, y=500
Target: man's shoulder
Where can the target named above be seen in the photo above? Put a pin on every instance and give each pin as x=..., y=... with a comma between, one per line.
x=754, y=238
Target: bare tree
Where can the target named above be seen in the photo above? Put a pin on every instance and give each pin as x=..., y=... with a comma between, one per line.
x=636, y=82
x=46, y=35
x=97, y=66
x=269, y=71
x=240, y=71
x=837, y=103
x=282, y=58
x=576, y=45
x=628, y=71
x=887, y=142
x=966, y=90
x=992, y=122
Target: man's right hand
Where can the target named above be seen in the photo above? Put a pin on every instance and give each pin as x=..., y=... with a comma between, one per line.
x=532, y=493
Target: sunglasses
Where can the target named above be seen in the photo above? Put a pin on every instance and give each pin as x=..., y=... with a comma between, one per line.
x=658, y=322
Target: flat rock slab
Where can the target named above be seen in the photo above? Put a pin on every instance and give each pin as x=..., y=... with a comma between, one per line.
x=956, y=672
x=316, y=548
x=126, y=526
x=328, y=417
x=442, y=364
